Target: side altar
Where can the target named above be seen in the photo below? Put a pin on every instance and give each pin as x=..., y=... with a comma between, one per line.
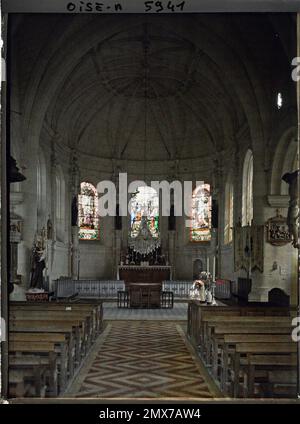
x=151, y=274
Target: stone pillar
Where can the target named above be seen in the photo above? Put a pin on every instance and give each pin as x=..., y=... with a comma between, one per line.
x=259, y=292
x=172, y=252
x=280, y=262
x=27, y=209
x=75, y=254
x=118, y=250
x=16, y=245
x=74, y=190
x=53, y=189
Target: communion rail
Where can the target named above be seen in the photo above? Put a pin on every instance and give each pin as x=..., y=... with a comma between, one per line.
x=181, y=289
x=104, y=289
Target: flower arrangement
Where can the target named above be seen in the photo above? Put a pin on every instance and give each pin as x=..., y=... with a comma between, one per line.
x=203, y=289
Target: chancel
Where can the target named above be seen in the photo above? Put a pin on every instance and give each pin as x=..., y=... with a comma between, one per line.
x=113, y=297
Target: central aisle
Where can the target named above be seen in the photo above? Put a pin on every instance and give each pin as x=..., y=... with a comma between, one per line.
x=142, y=359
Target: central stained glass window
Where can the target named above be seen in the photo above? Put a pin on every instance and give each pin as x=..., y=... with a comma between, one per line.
x=144, y=204
x=201, y=214
x=88, y=217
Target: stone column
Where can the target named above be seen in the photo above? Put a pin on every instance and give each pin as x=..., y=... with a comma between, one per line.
x=74, y=184
x=16, y=244
x=259, y=292
x=172, y=252
x=118, y=250
x=75, y=254
x=28, y=210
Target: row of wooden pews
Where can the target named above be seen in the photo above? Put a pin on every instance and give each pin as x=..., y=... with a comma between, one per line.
x=248, y=350
x=47, y=344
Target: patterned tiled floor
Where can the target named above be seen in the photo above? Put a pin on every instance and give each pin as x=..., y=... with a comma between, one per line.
x=142, y=359
x=112, y=312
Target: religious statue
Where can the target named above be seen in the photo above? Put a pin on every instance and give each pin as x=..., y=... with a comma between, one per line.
x=37, y=266
x=293, y=212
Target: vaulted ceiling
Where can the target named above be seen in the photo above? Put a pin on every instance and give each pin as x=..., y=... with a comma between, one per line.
x=153, y=87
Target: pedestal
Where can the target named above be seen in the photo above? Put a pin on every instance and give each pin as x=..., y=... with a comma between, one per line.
x=37, y=297
x=18, y=295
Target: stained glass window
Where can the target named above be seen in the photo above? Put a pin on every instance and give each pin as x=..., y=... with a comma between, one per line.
x=144, y=203
x=201, y=214
x=88, y=217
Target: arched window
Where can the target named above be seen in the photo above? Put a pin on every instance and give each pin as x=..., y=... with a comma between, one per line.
x=88, y=218
x=144, y=204
x=60, y=189
x=228, y=218
x=247, y=201
x=201, y=214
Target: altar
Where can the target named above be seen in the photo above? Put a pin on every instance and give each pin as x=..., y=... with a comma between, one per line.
x=144, y=295
x=152, y=274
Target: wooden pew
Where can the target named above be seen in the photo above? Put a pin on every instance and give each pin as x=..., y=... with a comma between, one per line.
x=70, y=327
x=210, y=322
x=63, y=349
x=95, y=309
x=34, y=326
x=243, y=349
x=208, y=327
x=46, y=349
x=207, y=330
x=196, y=311
x=27, y=376
x=219, y=331
x=81, y=317
x=17, y=388
x=267, y=362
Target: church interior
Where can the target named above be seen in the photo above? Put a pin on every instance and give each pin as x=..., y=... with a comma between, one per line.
x=138, y=304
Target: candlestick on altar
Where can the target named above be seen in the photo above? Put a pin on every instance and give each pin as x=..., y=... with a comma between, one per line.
x=214, y=269
x=207, y=265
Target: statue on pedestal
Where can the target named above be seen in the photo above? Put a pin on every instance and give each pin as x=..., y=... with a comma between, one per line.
x=293, y=213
